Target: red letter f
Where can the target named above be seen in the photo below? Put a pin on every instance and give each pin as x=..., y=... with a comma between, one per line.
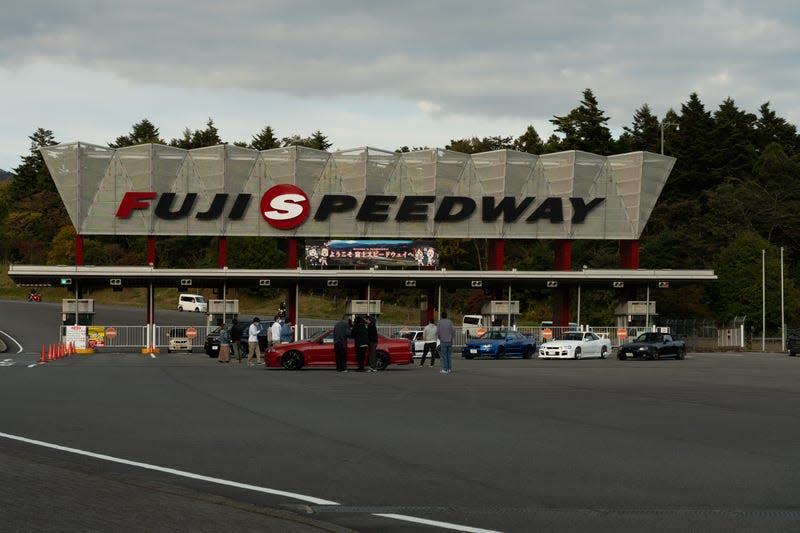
x=133, y=200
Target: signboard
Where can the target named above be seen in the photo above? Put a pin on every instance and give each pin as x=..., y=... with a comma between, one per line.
x=154, y=190
x=76, y=335
x=191, y=332
x=96, y=336
x=323, y=254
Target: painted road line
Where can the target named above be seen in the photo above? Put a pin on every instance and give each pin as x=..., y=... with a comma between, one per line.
x=236, y=484
x=435, y=523
x=13, y=340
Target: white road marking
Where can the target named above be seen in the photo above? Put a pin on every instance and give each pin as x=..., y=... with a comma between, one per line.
x=436, y=523
x=7, y=362
x=14, y=340
x=236, y=484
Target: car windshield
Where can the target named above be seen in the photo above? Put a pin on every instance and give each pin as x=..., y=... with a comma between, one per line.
x=572, y=336
x=405, y=335
x=649, y=337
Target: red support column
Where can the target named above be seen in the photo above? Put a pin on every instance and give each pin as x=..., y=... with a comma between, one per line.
x=497, y=250
x=151, y=250
x=562, y=260
x=78, y=250
x=629, y=254
x=292, y=259
x=222, y=252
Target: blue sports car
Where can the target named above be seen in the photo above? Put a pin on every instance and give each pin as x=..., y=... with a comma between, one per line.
x=498, y=343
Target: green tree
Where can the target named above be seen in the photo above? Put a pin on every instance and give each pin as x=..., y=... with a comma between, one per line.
x=733, y=151
x=771, y=128
x=265, y=139
x=739, y=289
x=198, y=138
x=692, y=146
x=585, y=127
x=529, y=142
x=476, y=146
x=644, y=134
x=317, y=140
x=143, y=132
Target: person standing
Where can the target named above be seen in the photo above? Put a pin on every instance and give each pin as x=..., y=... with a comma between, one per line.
x=429, y=335
x=446, y=331
x=224, y=344
x=287, y=335
x=252, y=341
x=361, y=339
x=372, y=336
x=275, y=331
x=341, y=331
x=236, y=339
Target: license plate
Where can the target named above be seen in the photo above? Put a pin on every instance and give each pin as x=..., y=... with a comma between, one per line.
x=215, y=347
x=473, y=351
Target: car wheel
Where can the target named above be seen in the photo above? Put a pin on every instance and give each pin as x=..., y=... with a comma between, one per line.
x=292, y=360
x=169, y=351
x=655, y=356
x=381, y=360
x=681, y=353
x=500, y=352
x=180, y=308
x=527, y=353
x=189, y=350
x=577, y=353
x=196, y=309
x=603, y=352
x=621, y=356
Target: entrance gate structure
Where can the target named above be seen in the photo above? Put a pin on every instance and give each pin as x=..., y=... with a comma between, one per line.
x=365, y=193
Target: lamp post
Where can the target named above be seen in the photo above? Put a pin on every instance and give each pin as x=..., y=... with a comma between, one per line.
x=663, y=125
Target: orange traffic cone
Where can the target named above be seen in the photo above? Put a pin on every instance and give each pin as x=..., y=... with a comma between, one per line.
x=49, y=352
x=72, y=348
x=42, y=356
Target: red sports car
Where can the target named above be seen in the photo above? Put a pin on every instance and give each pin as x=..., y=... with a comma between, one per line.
x=319, y=352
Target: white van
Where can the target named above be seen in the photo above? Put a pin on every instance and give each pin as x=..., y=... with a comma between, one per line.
x=192, y=302
x=472, y=325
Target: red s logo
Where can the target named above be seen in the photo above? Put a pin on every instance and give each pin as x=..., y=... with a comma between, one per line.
x=285, y=206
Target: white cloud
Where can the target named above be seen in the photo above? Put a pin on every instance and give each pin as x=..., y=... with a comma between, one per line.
x=420, y=75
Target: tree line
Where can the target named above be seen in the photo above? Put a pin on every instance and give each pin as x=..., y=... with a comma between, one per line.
x=734, y=191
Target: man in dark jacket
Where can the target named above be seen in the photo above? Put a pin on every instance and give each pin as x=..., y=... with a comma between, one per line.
x=372, y=335
x=361, y=339
x=341, y=331
x=236, y=339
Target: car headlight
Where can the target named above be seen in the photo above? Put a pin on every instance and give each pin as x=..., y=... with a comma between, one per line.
x=644, y=348
x=486, y=346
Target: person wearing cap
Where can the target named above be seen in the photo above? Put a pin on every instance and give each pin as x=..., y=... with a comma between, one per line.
x=252, y=342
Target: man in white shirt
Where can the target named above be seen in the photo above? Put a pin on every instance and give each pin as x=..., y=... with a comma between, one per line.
x=429, y=336
x=252, y=342
x=275, y=331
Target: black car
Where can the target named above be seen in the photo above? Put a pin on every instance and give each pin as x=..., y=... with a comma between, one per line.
x=793, y=342
x=211, y=345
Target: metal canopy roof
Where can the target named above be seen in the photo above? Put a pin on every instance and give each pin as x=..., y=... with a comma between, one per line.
x=142, y=276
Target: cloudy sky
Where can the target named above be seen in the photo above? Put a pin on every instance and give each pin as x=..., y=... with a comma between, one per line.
x=380, y=74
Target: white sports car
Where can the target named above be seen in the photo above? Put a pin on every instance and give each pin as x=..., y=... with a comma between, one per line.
x=576, y=345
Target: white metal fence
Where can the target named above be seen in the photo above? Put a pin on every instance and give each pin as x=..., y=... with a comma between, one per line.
x=135, y=337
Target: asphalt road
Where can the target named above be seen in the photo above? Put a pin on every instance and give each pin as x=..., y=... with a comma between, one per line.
x=705, y=444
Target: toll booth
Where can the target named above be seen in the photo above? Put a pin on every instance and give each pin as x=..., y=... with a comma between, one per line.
x=498, y=312
x=84, y=310
x=222, y=310
x=363, y=307
x=635, y=315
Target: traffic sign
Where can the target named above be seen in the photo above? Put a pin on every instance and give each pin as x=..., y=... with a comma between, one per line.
x=547, y=333
x=622, y=333
x=111, y=333
x=191, y=332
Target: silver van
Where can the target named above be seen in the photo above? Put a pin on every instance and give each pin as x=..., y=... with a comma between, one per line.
x=192, y=302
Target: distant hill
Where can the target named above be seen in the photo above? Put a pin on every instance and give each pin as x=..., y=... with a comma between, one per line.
x=5, y=175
